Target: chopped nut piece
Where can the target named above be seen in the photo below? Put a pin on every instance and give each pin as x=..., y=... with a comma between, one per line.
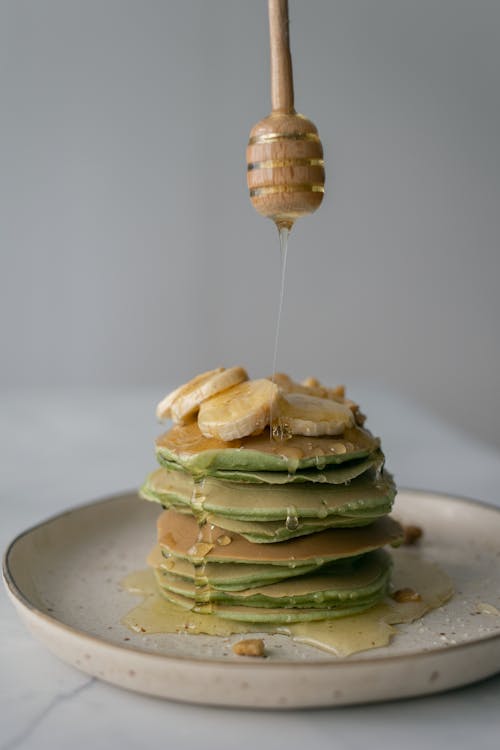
x=359, y=418
x=249, y=647
x=412, y=534
x=338, y=391
x=406, y=595
x=311, y=382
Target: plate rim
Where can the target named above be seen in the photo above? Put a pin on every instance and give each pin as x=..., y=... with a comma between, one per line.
x=19, y=598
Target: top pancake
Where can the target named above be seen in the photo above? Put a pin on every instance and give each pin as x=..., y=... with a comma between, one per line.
x=187, y=447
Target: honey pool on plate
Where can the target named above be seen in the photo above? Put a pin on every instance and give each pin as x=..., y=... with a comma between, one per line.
x=342, y=637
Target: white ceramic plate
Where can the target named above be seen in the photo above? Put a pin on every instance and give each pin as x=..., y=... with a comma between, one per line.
x=63, y=577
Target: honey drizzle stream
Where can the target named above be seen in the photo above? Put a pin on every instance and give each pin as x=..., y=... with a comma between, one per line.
x=277, y=429
x=283, y=235
x=204, y=544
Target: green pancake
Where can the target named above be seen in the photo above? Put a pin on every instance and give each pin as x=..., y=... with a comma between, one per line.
x=328, y=594
x=256, y=507
x=185, y=446
x=267, y=615
x=229, y=576
x=270, y=532
x=340, y=474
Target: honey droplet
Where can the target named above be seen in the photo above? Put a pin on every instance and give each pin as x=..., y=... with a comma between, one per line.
x=483, y=608
x=338, y=448
x=200, y=549
x=223, y=540
x=281, y=431
x=292, y=519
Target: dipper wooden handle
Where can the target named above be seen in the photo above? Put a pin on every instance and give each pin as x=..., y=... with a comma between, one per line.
x=285, y=168
x=281, y=59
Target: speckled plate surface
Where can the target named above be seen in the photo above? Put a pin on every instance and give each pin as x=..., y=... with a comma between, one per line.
x=63, y=577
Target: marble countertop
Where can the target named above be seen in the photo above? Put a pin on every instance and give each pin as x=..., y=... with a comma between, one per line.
x=63, y=447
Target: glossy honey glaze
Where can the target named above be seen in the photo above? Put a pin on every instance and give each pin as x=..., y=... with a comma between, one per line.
x=187, y=440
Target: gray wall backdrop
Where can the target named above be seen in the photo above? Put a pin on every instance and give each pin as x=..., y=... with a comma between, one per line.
x=131, y=253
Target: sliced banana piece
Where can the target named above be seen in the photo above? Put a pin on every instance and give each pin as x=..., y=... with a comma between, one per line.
x=240, y=411
x=313, y=387
x=313, y=416
x=187, y=403
x=164, y=408
x=182, y=403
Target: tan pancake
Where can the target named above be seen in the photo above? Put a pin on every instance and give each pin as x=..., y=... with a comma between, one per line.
x=180, y=534
x=187, y=440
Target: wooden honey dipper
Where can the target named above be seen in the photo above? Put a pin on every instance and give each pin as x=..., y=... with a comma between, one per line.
x=285, y=167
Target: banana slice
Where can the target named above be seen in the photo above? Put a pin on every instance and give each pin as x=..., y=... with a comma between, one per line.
x=164, y=408
x=313, y=387
x=240, y=411
x=313, y=416
x=184, y=402
x=187, y=404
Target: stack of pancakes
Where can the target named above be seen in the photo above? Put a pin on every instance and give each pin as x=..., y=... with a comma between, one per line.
x=272, y=529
